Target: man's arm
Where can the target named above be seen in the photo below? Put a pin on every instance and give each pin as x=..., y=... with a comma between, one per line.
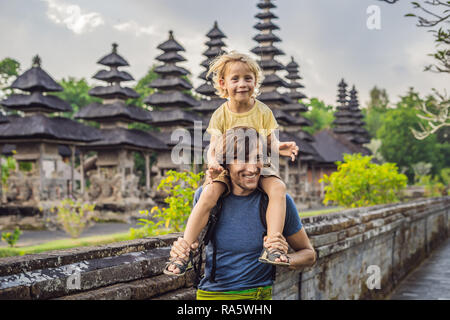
x=304, y=255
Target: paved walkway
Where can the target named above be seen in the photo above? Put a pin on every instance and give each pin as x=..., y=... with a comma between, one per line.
x=430, y=280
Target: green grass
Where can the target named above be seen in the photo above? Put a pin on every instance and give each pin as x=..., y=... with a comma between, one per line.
x=321, y=211
x=65, y=244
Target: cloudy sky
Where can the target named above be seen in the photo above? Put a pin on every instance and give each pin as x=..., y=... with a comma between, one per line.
x=330, y=39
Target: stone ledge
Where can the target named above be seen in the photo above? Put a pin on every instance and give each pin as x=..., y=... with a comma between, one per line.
x=18, y=264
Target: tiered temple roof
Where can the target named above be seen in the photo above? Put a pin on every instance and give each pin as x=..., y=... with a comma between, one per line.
x=353, y=104
x=114, y=114
x=215, y=46
x=285, y=109
x=35, y=125
x=170, y=88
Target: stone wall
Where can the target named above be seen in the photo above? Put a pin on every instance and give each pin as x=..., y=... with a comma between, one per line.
x=394, y=238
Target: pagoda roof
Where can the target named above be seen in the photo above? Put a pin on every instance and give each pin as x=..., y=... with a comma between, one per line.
x=171, y=99
x=170, y=117
x=292, y=65
x=215, y=32
x=209, y=105
x=36, y=101
x=170, y=84
x=300, y=107
x=38, y=126
x=285, y=117
x=350, y=129
x=295, y=85
x=114, y=91
x=171, y=44
x=274, y=80
x=305, y=147
x=113, y=75
x=213, y=52
x=269, y=50
x=117, y=110
x=113, y=59
x=206, y=89
x=296, y=95
x=36, y=79
x=271, y=64
x=267, y=4
x=3, y=119
x=293, y=76
x=170, y=56
x=171, y=70
x=266, y=26
x=331, y=147
x=266, y=37
x=273, y=97
x=265, y=15
x=203, y=76
x=128, y=137
x=215, y=43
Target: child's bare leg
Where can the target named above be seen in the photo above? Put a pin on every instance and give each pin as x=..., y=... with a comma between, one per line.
x=276, y=208
x=200, y=214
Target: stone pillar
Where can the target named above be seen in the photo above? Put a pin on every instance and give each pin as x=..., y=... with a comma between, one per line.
x=82, y=173
x=147, y=170
x=72, y=168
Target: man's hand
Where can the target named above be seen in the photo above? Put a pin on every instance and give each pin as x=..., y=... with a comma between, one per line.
x=288, y=149
x=180, y=250
x=277, y=241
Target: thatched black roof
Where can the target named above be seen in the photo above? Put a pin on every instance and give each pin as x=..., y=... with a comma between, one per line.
x=170, y=84
x=113, y=59
x=113, y=111
x=118, y=137
x=171, y=70
x=331, y=147
x=213, y=52
x=274, y=97
x=36, y=102
x=3, y=119
x=274, y=80
x=170, y=56
x=289, y=120
x=267, y=50
x=266, y=37
x=209, y=105
x=113, y=75
x=114, y=91
x=206, y=89
x=266, y=4
x=171, y=99
x=39, y=126
x=265, y=15
x=306, y=150
x=171, y=44
x=215, y=32
x=294, y=107
x=266, y=26
x=36, y=79
x=271, y=64
x=172, y=117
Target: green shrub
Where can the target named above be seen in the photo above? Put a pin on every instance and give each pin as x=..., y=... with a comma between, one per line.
x=11, y=237
x=359, y=182
x=433, y=187
x=180, y=187
x=73, y=216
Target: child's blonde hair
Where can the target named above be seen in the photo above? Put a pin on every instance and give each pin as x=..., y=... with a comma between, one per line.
x=218, y=68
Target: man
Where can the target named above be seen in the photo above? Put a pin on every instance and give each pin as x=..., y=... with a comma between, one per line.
x=234, y=272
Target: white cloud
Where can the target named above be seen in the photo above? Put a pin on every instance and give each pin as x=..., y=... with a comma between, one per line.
x=135, y=28
x=71, y=16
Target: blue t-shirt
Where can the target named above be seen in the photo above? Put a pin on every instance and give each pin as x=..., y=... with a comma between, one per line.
x=239, y=240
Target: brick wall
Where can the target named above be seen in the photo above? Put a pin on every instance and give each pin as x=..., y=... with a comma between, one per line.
x=393, y=238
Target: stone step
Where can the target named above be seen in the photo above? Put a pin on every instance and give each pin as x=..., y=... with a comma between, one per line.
x=84, y=275
x=52, y=259
x=182, y=294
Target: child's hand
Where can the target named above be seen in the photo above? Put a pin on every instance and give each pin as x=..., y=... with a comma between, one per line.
x=288, y=149
x=214, y=169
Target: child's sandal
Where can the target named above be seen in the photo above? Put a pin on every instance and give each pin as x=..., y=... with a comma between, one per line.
x=270, y=256
x=182, y=265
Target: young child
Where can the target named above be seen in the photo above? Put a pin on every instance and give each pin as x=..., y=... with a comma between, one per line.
x=237, y=77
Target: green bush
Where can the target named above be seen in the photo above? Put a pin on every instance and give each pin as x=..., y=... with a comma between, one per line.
x=359, y=182
x=433, y=187
x=180, y=187
x=73, y=216
x=11, y=237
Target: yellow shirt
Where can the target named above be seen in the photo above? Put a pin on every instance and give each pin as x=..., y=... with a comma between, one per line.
x=259, y=117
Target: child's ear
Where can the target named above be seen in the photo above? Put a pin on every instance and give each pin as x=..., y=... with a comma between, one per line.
x=222, y=83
